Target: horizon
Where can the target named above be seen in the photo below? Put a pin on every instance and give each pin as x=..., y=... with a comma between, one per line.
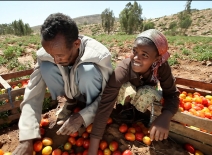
x=35, y=12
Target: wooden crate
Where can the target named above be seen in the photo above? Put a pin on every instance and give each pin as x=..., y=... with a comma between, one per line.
x=183, y=134
x=12, y=105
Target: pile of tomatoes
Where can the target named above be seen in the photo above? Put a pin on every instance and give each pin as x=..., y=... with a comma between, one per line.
x=196, y=104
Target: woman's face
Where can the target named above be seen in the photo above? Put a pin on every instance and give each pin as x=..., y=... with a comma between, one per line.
x=58, y=50
x=143, y=56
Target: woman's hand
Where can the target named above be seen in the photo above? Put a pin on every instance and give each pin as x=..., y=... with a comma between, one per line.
x=159, y=129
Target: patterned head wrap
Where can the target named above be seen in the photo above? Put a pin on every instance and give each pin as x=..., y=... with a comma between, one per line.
x=162, y=45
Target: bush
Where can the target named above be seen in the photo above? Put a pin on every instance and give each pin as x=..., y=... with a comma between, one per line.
x=148, y=25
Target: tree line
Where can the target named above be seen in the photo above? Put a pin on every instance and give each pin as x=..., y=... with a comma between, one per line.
x=131, y=21
x=16, y=28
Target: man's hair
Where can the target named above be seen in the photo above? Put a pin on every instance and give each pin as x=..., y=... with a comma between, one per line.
x=146, y=41
x=59, y=23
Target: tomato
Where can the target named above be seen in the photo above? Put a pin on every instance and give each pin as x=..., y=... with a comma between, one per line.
x=44, y=122
x=47, y=150
x=210, y=107
x=107, y=151
x=89, y=128
x=72, y=140
x=37, y=146
x=85, y=152
x=1, y=152
x=146, y=140
x=196, y=93
x=109, y=121
x=193, y=111
x=85, y=135
x=67, y=146
x=130, y=136
x=187, y=105
x=117, y=152
x=42, y=131
x=7, y=153
x=65, y=153
x=139, y=136
x=205, y=102
x=86, y=143
x=123, y=128
x=113, y=146
x=127, y=152
x=131, y=129
x=197, y=152
x=75, y=134
x=208, y=115
x=103, y=145
x=57, y=152
x=47, y=141
x=100, y=152
x=189, y=148
x=79, y=141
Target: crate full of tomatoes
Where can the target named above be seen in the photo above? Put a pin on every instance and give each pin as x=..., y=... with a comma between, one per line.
x=192, y=124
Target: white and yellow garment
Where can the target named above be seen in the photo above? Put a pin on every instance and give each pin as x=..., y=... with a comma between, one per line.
x=141, y=98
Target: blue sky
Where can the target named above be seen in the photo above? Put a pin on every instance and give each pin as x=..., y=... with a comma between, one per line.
x=35, y=12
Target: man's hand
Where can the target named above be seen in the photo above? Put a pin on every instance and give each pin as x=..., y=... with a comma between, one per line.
x=71, y=125
x=160, y=127
x=24, y=148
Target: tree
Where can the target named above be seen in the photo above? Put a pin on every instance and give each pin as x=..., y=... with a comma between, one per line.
x=185, y=18
x=130, y=18
x=108, y=19
x=188, y=6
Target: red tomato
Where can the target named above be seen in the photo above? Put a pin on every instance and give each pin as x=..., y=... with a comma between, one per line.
x=103, y=145
x=37, y=146
x=65, y=153
x=89, y=128
x=85, y=135
x=1, y=152
x=130, y=136
x=44, y=122
x=109, y=121
x=127, y=152
x=86, y=143
x=57, y=152
x=79, y=141
x=187, y=105
x=208, y=115
x=189, y=148
x=205, y=102
x=100, y=152
x=113, y=146
x=107, y=151
x=123, y=128
x=72, y=140
x=139, y=136
x=42, y=131
x=85, y=152
x=210, y=107
x=74, y=134
x=117, y=152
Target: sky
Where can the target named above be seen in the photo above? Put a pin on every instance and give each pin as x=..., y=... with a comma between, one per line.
x=35, y=12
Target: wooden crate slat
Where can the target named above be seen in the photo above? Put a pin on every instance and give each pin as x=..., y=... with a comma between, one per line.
x=187, y=119
x=7, y=106
x=10, y=118
x=203, y=93
x=206, y=149
x=4, y=83
x=182, y=130
x=194, y=84
x=17, y=74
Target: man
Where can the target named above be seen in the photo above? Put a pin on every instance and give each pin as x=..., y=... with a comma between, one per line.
x=70, y=65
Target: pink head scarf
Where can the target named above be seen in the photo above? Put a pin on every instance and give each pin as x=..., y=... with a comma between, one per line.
x=162, y=45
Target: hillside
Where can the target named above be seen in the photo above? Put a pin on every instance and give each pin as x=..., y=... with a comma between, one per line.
x=201, y=23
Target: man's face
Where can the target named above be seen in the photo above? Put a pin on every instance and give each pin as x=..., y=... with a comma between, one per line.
x=142, y=57
x=58, y=50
